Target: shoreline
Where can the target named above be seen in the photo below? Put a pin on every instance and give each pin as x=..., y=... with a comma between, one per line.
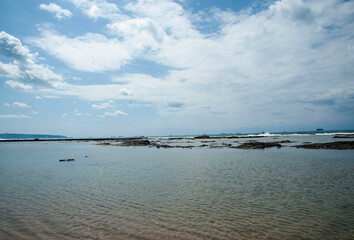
x=205, y=141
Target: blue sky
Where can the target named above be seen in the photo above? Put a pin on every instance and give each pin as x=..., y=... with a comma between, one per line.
x=101, y=68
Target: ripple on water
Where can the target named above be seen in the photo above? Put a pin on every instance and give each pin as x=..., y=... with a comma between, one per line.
x=142, y=193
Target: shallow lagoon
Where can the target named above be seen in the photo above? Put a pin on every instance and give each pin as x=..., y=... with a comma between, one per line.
x=149, y=193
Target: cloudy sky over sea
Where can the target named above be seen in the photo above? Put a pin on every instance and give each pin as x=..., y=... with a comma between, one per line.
x=159, y=67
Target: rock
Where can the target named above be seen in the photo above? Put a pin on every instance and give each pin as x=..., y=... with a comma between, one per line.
x=259, y=145
x=66, y=160
x=203, y=145
x=344, y=136
x=227, y=144
x=202, y=137
x=245, y=137
x=163, y=146
x=135, y=142
x=213, y=146
x=286, y=141
x=344, y=145
x=103, y=144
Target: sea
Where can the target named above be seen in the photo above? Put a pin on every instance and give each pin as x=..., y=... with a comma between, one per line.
x=112, y=192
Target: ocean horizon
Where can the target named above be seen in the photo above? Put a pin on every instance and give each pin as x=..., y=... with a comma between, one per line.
x=5, y=136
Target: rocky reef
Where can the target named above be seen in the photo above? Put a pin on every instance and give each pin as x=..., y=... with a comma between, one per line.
x=340, y=145
x=259, y=145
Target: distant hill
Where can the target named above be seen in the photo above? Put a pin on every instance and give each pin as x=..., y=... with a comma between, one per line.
x=27, y=136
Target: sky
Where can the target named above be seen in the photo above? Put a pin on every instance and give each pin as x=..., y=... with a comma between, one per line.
x=102, y=68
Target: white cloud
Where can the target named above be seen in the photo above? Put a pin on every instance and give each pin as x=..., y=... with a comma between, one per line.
x=97, y=8
x=24, y=66
x=142, y=31
x=43, y=74
x=90, y=52
x=113, y=114
x=64, y=115
x=60, y=13
x=20, y=116
x=18, y=85
x=11, y=47
x=126, y=92
x=34, y=112
x=95, y=92
x=168, y=14
x=102, y=105
x=251, y=66
x=10, y=70
x=17, y=104
x=20, y=105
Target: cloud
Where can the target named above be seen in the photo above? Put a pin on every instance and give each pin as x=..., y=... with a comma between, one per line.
x=21, y=116
x=113, y=114
x=90, y=52
x=43, y=74
x=60, y=13
x=24, y=66
x=103, y=105
x=126, y=92
x=143, y=31
x=18, y=85
x=176, y=104
x=11, y=47
x=97, y=8
x=10, y=70
x=95, y=92
x=250, y=65
x=168, y=14
x=20, y=105
x=17, y=104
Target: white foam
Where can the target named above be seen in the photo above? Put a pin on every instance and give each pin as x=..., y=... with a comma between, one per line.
x=336, y=133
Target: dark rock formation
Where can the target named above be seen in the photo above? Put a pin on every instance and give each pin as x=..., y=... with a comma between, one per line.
x=163, y=146
x=103, y=144
x=344, y=136
x=286, y=141
x=259, y=145
x=135, y=142
x=245, y=137
x=169, y=146
x=202, y=137
x=66, y=160
x=345, y=145
x=203, y=145
x=213, y=146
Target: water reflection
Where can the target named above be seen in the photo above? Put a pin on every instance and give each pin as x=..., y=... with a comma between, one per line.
x=143, y=193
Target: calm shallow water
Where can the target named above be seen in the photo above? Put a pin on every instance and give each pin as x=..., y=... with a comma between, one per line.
x=149, y=193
